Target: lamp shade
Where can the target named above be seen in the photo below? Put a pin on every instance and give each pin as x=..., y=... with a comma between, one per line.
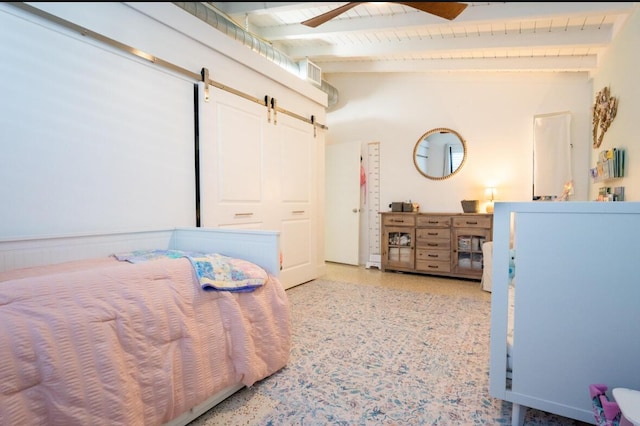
x=490, y=193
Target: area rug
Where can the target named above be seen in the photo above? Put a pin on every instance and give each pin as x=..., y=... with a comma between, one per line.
x=366, y=355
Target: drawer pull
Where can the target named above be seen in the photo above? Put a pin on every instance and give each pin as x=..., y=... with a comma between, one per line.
x=432, y=233
x=397, y=220
x=243, y=214
x=433, y=267
x=297, y=211
x=432, y=244
x=433, y=221
x=475, y=222
x=433, y=255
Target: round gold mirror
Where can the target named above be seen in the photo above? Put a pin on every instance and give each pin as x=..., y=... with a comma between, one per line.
x=439, y=153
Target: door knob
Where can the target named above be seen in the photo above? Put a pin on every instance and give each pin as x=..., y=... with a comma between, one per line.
x=355, y=210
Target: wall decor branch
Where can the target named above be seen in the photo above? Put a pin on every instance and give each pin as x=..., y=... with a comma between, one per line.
x=604, y=111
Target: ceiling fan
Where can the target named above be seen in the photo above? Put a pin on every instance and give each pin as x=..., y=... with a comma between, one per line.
x=446, y=10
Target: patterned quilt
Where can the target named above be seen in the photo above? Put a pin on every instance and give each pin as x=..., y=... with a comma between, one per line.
x=215, y=271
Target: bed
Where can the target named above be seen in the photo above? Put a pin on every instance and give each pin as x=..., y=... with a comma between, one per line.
x=138, y=338
x=569, y=317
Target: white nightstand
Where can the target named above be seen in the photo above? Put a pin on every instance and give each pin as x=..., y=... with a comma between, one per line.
x=629, y=402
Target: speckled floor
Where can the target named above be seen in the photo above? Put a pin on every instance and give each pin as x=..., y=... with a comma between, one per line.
x=248, y=406
x=311, y=393
x=405, y=281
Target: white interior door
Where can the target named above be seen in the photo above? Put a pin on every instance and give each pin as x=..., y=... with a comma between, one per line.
x=342, y=197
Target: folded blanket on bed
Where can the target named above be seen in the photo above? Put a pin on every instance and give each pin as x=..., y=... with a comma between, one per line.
x=139, y=256
x=218, y=272
x=215, y=271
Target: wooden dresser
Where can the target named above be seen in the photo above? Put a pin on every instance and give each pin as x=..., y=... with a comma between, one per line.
x=435, y=243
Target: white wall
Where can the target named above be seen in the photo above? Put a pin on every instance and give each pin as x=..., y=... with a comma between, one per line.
x=54, y=136
x=619, y=71
x=89, y=143
x=493, y=112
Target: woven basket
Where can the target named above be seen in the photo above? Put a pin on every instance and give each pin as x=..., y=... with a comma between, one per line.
x=470, y=206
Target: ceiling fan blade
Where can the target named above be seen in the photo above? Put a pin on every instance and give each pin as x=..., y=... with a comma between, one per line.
x=446, y=10
x=321, y=19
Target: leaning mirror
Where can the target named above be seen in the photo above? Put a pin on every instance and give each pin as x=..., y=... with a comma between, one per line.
x=439, y=153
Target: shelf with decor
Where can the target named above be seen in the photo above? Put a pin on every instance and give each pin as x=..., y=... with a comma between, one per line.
x=607, y=193
x=610, y=165
x=609, y=168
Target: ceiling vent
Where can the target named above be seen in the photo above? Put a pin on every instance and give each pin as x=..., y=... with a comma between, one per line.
x=303, y=69
x=310, y=71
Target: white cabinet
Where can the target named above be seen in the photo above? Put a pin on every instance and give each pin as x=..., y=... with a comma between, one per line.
x=260, y=170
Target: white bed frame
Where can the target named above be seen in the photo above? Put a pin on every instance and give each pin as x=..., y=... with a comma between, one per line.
x=257, y=246
x=576, y=304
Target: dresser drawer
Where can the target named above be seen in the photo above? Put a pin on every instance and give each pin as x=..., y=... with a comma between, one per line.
x=399, y=220
x=435, y=221
x=433, y=266
x=433, y=234
x=433, y=255
x=472, y=221
x=434, y=244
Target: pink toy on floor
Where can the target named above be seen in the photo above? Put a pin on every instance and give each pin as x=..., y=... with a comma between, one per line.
x=605, y=412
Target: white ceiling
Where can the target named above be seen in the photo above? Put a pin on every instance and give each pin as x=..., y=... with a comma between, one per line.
x=388, y=37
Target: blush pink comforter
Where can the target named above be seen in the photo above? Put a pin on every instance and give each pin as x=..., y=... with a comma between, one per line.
x=111, y=343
